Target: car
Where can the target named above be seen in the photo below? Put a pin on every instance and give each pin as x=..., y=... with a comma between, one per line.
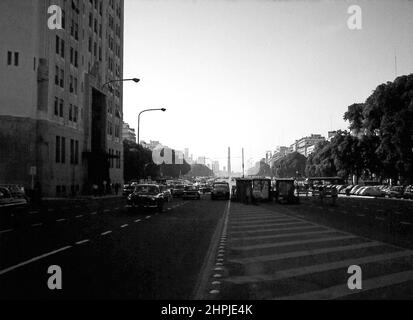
x=395, y=192
x=146, y=196
x=12, y=195
x=408, y=192
x=360, y=190
x=127, y=190
x=166, y=192
x=191, y=192
x=178, y=190
x=355, y=188
x=371, y=191
x=220, y=190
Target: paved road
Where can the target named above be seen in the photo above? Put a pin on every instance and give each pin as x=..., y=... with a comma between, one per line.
x=273, y=252
x=106, y=252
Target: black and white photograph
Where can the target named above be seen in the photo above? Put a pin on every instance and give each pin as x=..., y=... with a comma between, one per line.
x=214, y=152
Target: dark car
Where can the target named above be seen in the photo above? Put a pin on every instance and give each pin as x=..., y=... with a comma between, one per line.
x=220, y=190
x=396, y=192
x=408, y=192
x=12, y=195
x=127, y=189
x=191, y=192
x=147, y=196
x=178, y=190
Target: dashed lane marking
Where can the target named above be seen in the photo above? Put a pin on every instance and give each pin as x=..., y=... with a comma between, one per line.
x=94, y=213
x=105, y=233
x=82, y=241
x=274, y=230
x=33, y=260
x=60, y=220
x=137, y=220
x=124, y=225
x=284, y=235
x=33, y=212
x=79, y=216
x=5, y=231
x=37, y=224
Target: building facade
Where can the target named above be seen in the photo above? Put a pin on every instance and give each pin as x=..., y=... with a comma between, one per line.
x=305, y=144
x=60, y=126
x=128, y=133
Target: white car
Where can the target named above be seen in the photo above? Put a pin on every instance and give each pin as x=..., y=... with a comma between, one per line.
x=371, y=191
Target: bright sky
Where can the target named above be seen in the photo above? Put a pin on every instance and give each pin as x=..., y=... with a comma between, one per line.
x=255, y=74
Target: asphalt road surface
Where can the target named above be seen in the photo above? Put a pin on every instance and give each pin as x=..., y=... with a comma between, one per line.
x=105, y=252
x=204, y=249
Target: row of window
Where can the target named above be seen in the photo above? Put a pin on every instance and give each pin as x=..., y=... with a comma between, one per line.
x=10, y=60
x=110, y=129
x=59, y=80
x=114, y=159
x=74, y=112
x=61, y=190
x=60, y=150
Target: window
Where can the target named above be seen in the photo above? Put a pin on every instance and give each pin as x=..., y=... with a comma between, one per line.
x=56, y=106
x=90, y=44
x=76, y=31
x=72, y=55
x=56, y=76
x=62, y=78
x=75, y=85
x=57, y=149
x=70, y=112
x=76, y=152
x=57, y=45
x=61, y=107
x=71, y=84
x=62, y=49
x=16, y=59
x=9, y=58
x=75, y=113
x=76, y=59
x=63, y=19
x=72, y=151
x=63, y=146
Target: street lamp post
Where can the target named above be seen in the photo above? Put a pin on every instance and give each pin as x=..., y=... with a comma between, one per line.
x=139, y=117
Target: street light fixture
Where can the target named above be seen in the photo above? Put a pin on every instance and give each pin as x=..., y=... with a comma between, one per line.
x=139, y=117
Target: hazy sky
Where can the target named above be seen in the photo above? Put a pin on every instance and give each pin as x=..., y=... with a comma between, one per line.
x=256, y=74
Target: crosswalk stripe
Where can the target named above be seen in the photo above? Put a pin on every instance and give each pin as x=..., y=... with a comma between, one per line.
x=284, y=235
x=265, y=221
x=298, y=254
x=273, y=230
x=290, y=273
x=289, y=243
x=269, y=225
x=343, y=290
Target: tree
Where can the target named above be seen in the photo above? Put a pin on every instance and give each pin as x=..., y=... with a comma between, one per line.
x=387, y=117
x=289, y=165
x=320, y=163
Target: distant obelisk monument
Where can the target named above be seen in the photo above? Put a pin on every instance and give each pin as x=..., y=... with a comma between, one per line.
x=229, y=162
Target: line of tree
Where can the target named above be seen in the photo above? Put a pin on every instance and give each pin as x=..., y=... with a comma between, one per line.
x=378, y=146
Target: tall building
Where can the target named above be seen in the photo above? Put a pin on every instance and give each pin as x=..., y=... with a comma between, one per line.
x=59, y=124
x=215, y=166
x=186, y=154
x=201, y=160
x=305, y=144
x=280, y=152
x=128, y=133
x=229, y=161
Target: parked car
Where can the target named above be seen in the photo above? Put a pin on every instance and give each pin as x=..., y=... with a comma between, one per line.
x=371, y=191
x=395, y=192
x=127, y=190
x=167, y=193
x=12, y=195
x=360, y=190
x=147, y=196
x=191, y=192
x=408, y=192
x=220, y=190
x=355, y=188
x=178, y=190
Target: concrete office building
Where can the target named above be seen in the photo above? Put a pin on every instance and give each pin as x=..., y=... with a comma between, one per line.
x=58, y=124
x=128, y=133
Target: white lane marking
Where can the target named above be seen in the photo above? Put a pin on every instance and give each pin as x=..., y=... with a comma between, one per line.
x=93, y=213
x=50, y=210
x=5, y=231
x=304, y=253
x=33, y=260
x=137, y=220
x=105, y=233
x=342, y=290
x=37, y=224
x=79, y=216
x=168, y=209
x=289, y=273
x=263, y=223
x=60, y=220
x=263, y=227
x=33, y=212
x=124, y=225
x=106, y=210
x=82, y=241
x=284, y=235
x=117, y=208
x=290, y=243
x=250, y=232
x=147, y=217
x=405, y=222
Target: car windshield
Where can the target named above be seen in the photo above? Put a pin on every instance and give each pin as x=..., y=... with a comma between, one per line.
x=147, y=189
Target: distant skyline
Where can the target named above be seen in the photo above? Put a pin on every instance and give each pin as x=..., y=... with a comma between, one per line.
x=255, y=74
